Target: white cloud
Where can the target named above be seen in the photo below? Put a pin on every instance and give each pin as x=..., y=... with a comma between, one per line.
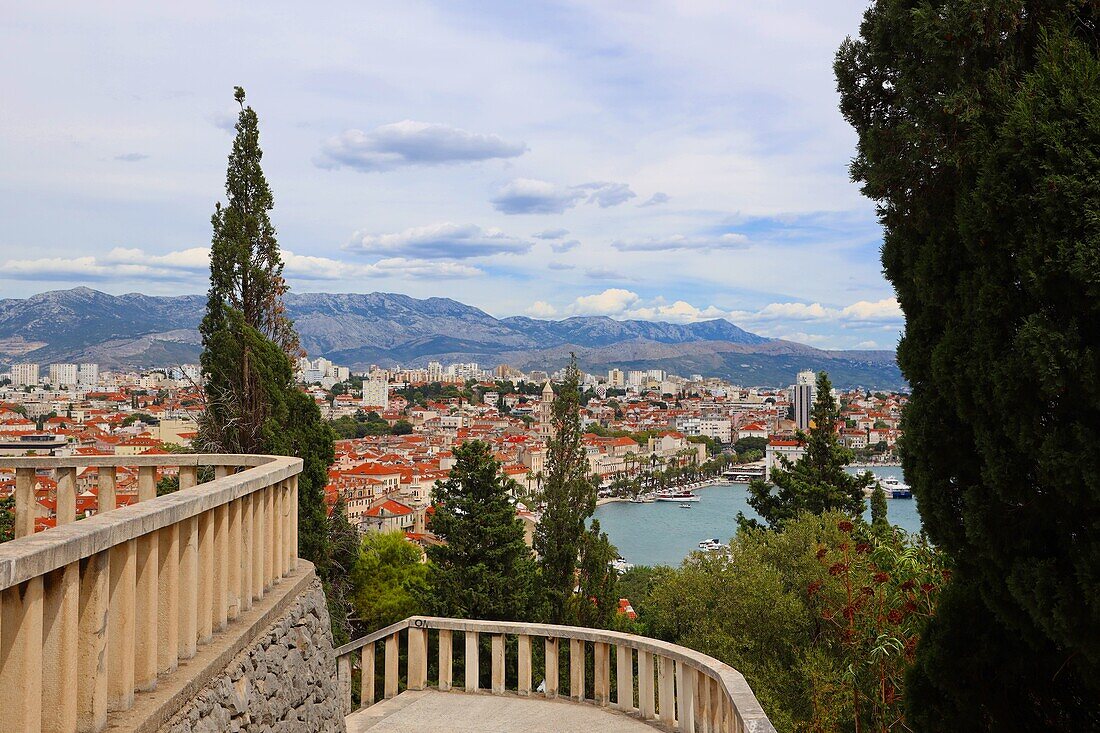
x=658, y=198
x=678, y=312
x=730, y=240
x=565, y=246
x=412, y=143
x=611, y=302
x=439, y=241
x=561, y=266
x=867, y=345
x=608, y=194
x=541, y=309
x=886, y=310
x=192, y=265
x=550, y=234
x=532, y=196
x=877, y=311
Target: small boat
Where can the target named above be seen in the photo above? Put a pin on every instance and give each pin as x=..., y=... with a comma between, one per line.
x=678, y=496
x=895, y=488
x=685, y=506
x=712, y=545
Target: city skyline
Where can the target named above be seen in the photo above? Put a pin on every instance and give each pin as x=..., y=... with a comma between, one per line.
x=580, y=161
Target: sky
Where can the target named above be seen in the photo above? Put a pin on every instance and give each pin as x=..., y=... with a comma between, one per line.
x=670, y=161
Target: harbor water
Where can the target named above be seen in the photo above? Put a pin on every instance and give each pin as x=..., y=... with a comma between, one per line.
x=662, y=533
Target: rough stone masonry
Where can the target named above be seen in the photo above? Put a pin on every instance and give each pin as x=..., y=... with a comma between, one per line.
x=284, y=683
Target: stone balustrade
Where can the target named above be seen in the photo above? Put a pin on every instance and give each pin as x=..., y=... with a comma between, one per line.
x=678, y=688
x=93, y=611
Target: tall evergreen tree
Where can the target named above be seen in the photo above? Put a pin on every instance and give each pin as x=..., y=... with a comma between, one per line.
x=252, y=404
x=484, y=569
x=979, y=139
x=818, y=482
x=570, y=496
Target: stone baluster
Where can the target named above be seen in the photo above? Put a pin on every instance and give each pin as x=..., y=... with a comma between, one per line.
x=393, y=658
x=624, y=678
x=107, y=478
x=66, y=495
x=645, y=685
x=21, y=656
x=418, y=659
x=343, y=682
x=523, y=665
x=366, y=683
x=666, y=691
x=121, y=630
x=25, y=503
x=576, y=670
x=446, y=660
x=497, y=648
x=471, y=661
x=91, y=667
x=601, y=683
x=685, y=698
x=551, y=668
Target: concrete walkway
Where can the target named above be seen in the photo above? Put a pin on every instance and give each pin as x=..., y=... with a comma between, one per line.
x=456, y=712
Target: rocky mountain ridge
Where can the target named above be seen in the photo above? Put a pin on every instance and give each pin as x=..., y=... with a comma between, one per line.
x=136, y=330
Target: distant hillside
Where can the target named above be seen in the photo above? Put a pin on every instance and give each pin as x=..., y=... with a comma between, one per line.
x=137, y=330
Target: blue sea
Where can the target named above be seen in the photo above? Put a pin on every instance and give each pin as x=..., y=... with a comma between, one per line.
x=664, y=534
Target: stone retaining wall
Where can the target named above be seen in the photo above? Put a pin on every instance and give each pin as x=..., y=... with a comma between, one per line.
x=285, y=682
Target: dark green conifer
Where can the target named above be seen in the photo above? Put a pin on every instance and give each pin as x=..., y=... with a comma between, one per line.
x=879, y=519
x=483, y=569
x=978, y=140
x=252, y=403
x=570, y=498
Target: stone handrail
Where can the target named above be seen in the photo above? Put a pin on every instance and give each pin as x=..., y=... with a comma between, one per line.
x=679, y=688
x=92, y=611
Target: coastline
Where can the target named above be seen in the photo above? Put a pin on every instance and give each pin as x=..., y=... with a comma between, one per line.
x=706, y=484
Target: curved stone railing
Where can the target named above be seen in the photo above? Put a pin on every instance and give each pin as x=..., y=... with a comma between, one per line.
x=92, y=611
x=679, y=688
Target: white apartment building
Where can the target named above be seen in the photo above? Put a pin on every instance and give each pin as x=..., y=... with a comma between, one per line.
x=87, y=375
x=63, y=375
x=720, y=429
x=24, y=375
x=376, y=394
x=616, y=378
x=635, y=378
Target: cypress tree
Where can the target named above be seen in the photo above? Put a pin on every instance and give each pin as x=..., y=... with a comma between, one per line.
x=817, y=483
x=484, y=569
x=595, y=605
x=978, y=139
x=252, y=404
x=570, y=496
x=879, y=519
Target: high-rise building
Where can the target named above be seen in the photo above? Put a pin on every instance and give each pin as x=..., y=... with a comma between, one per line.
x=63, y=375
x=616, y=378
x=23, y=375
x=88, y=375
x=376, y=394
x=803, y=392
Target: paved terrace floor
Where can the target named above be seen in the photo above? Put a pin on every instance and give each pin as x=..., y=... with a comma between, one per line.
x=456, y=712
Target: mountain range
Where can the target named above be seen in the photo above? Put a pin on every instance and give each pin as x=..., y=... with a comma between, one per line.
x=356, y=330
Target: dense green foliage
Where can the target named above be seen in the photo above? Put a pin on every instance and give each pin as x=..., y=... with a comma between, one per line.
x=979, y=139
x=879, y=511
x=389, y=580
x=818, y=482
x=7, y=518
x=596, y=602
x=252, y=405
x=484, y=569
x=822, y=617
x=570, y=498
x=362, y=425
